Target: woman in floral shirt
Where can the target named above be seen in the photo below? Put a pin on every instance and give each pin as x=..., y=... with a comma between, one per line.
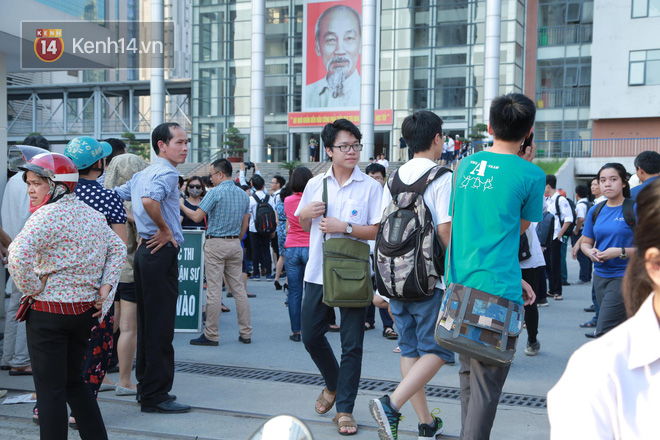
x=68, y=260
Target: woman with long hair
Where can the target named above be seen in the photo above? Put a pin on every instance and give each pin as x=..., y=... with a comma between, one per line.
x=68, y=261
x=195, y=192
x=607, y=241
x=297, y=249
x=611, y=386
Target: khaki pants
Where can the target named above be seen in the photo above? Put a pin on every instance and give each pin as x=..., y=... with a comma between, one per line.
x=225, y=256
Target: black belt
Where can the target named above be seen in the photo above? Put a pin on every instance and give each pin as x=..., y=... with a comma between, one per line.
x=168, y=244
x=226, y=237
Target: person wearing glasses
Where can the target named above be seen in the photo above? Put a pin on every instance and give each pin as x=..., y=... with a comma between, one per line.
x=195, y=192
x=353, y=211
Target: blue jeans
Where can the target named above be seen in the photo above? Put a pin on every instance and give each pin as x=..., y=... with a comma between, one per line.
x=295, y=261
x=345, y=377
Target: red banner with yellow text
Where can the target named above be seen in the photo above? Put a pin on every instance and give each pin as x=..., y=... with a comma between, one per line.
x=319, y=119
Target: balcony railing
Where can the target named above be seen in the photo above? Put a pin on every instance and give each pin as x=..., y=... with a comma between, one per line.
x=563, y=35
x=624, y=147
x=560, y=98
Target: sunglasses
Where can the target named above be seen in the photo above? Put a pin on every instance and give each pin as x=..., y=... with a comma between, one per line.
x=195, y=186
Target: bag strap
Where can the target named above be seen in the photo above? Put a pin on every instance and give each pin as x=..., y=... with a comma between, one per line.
x=396, y=185
x=451, y=228
x=324, y=199
x=597, y=209
x=461, y=312
x=259, y=202
x=628, y=208
x=505, y=330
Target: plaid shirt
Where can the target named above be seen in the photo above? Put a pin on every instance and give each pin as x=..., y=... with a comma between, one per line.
x=226, y=205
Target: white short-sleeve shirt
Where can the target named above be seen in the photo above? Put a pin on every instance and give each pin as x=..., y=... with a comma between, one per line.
x=436, y=197
x=253, y=207
x=356, y=202
x=566, y=213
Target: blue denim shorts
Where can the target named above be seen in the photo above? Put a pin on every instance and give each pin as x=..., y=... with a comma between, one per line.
x=415, y=322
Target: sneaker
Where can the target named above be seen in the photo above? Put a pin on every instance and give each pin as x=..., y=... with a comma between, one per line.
x=203, y=341
x=270, y=277
x=255, y=278
x=532, y=348
x=428, y=432
x=590, y=309
x=558, y=297
x=387, y=418
x=543, y=302
x=580, y=282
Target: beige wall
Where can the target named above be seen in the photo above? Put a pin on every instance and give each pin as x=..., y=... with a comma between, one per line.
x=626, y=128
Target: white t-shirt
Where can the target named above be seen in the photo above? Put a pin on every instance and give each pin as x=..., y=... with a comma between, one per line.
x=253, y=207
x=436, y=197
x=581, y=208
x=384, y=163
x=536, y=260
x=611, y=386
x=15, y=205
x=566, y=212
x=357, y=202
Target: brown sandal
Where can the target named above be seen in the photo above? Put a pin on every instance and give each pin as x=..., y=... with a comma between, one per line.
x=345, y=420
x=322, y=401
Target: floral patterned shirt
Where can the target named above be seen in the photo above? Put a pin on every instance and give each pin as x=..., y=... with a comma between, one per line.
x=72, y=244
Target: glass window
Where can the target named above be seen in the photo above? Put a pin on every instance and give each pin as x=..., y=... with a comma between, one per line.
x=276, y=47
x=644, y=67
x=452, y=35
x=645, y=8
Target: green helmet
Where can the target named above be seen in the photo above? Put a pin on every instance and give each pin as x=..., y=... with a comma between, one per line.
x=85, y=151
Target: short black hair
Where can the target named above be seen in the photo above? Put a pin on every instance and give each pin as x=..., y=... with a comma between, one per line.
x=224, y=166
x=512, y=116
x=299, y=179
x=582, y=191
x=206, y=180
x=419, y=130
x=280, y=180
x=375, y=168
x=162, y=132
x=37, y=141
x=551, y=180
x=118, y=147
x=649, y=161
x=330, y=131
x=258, y=182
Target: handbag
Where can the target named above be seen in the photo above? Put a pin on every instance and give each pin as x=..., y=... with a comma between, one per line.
x=346, y=270
x=478, y=324
x=23, y=307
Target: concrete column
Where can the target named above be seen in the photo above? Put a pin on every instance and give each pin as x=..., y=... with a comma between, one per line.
x=157, y=90
x=258, y=100
x=492, y=54
x=34, y=109
x=98, y=119
x=65, y=114
x=368, y=87
x=304, y=147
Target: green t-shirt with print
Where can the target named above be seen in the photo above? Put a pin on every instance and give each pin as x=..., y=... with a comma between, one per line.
x=493, y=193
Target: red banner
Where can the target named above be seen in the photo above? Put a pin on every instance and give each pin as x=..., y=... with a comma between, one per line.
x=319, y=119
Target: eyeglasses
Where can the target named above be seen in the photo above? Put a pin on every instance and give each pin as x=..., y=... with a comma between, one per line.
x=345, y=148
x=195, y=186
x=213, y=174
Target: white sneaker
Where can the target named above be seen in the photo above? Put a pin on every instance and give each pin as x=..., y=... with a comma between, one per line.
x=533, y=349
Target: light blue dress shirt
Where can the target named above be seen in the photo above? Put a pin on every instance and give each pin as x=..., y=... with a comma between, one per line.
x=159, y=182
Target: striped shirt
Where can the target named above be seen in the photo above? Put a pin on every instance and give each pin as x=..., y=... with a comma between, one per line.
x=60, y=308
x=72, y=244
x=159, y=182
x=226, y=206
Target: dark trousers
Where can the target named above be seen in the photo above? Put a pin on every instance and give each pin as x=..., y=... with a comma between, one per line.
x=532, y=311
x=553, y=267
x=156, y=293
x=584, y=261
x=612, y=311
x=384, y=316
x=343, y=377
x=481, y=388
x=57, y=345
x=261, y=253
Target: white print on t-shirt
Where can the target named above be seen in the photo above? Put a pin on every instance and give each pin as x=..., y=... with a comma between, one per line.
x=477, y=182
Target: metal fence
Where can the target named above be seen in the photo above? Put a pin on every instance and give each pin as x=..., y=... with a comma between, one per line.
x=562, y=35
x=622, y=147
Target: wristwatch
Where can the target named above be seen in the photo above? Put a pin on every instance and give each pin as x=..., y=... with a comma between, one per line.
x=623, y=255
x=349, y=228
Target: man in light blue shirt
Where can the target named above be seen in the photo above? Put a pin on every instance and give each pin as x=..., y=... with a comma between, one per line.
x=155, y=195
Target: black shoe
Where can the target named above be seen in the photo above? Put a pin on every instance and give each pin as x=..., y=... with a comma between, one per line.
x=251, y=295
x=295, y=337
x=244, y=340
x=138, y=397
x=5, y=367
x=203, y=341
x=230, y=295
x=278, y=286
x=167, y=407
x=590, y=309
x=565, y=283
x=542, y=303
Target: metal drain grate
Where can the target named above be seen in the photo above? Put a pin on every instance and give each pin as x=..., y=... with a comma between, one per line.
x=381, y=386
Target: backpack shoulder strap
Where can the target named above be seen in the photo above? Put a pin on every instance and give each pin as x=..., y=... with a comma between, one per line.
x=254, y=196
x=266, y=199
x=419, y=186
x=629, y=213
x=597, y=210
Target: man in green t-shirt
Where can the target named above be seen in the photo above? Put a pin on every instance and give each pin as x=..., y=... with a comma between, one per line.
x=498, y=193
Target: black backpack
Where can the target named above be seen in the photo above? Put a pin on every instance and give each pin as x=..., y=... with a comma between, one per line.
x=265, y=219
x=409, y=258
x=628, y=212
x=545, y=229
x=569, y=230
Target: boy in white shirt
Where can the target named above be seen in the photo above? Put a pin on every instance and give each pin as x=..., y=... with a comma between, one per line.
x=353, y=211
x=421, y=356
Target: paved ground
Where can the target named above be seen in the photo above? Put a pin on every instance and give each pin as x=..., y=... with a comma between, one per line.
x=232, y=403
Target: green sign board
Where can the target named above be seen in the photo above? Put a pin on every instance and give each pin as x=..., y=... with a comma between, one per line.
x=191, y=283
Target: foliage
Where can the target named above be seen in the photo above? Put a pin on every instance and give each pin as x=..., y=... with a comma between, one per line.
x=233, y=141
x=478, y=132
x=135, y=146
x=550, y=166
x=290, y=166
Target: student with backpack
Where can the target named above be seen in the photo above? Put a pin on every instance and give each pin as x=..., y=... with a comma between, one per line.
x=429, y=188
x=607, y=241
x=263, y=224
x=558, y=206
x=581, y=208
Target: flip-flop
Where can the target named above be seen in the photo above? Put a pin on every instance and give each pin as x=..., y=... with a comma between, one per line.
x=345, y=420
x=322, y=401
x=588, y=324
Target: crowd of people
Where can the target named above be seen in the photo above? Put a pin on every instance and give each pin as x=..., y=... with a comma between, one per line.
x=93, y=237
